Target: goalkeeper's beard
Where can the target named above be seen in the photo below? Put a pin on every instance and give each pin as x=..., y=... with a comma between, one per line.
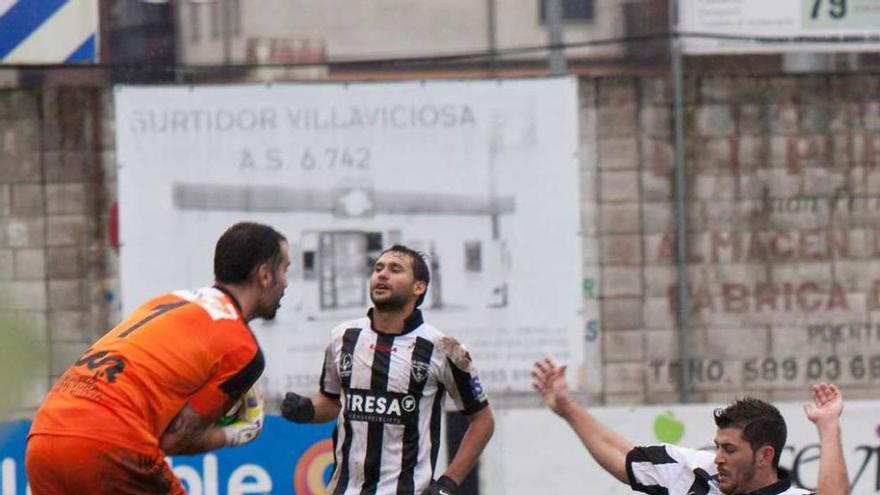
x=271, y=310
x=271, y=298
x=271, y=314
x=268, y=314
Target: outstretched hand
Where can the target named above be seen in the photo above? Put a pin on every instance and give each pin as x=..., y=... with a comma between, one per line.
x=827, y=404
x=548, y=380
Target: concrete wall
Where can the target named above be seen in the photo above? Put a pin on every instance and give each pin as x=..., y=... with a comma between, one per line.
x=783, y=195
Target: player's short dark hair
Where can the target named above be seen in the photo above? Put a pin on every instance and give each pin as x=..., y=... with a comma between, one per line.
x=419, y=266
x=243, y=248
x=761, y=424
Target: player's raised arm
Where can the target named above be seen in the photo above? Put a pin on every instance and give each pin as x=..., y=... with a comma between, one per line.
x=607, y=447
x=824, y=411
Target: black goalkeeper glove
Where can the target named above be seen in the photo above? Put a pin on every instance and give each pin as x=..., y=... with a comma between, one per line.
x=297, y=408
x=441, y=486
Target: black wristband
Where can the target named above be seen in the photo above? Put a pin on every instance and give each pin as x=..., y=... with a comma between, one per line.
x=297, y=408
x=448, y=483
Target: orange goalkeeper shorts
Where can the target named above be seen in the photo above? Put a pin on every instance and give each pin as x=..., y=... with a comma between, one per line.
x=59, y=465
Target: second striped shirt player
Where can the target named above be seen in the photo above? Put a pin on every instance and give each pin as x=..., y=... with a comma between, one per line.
x=384, y=380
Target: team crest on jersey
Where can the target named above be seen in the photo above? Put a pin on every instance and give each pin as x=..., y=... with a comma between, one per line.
x=345, y=364
x=420, y=370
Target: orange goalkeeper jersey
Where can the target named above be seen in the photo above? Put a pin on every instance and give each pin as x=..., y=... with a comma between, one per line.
x=186, y=346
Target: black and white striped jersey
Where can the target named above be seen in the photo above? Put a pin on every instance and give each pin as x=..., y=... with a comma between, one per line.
x=392, y=389
x=674, y=470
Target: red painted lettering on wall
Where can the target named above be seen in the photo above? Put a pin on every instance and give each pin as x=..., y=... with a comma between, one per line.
x=763, y=246
x=806, y=296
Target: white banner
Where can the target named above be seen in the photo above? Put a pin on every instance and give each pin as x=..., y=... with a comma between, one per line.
x=482, y=176
x=856, y=23
x=564, y=466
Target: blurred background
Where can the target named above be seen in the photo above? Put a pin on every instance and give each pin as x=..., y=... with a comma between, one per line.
x=680, y=199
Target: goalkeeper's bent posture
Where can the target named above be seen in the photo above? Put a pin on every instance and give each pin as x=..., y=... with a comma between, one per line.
x=156, y=384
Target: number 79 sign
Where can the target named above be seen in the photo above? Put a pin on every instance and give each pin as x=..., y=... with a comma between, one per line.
x=841, y=14
x=780, y=25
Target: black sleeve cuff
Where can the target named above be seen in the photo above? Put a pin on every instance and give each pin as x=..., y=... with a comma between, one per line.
x=629, y=470
x=479, y=406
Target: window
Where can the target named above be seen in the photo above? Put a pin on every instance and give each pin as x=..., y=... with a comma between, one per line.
x=374, y=249
x=194, y=27
x=473, y=257
x=374, y=241
x=225, y=14
x=235, y=12
x=216, y=21
x=572, y=10
x=309, y=265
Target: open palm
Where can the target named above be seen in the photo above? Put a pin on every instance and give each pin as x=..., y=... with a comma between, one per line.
x=548, y=380
x=827, y=403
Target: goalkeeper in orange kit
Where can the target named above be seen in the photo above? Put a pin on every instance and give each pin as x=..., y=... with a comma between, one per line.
x=157, y=383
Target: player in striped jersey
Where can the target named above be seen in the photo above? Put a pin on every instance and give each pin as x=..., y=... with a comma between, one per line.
x=749, y=440
x=384, y=380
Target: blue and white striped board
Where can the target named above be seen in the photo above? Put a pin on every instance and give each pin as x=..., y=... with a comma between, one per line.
x=48, y=31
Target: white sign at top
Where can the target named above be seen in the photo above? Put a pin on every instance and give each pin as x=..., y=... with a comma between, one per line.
x=760, y=26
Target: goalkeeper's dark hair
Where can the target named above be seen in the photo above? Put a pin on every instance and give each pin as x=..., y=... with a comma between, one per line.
x=419, y=266
x=760, y=422
x=243, y=248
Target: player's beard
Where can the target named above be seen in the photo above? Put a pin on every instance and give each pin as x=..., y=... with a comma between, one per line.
x=270, y=315
x=744, y=478
x=271, y=309
x=391, y=304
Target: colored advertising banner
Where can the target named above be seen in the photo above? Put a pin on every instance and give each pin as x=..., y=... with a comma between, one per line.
x=285, y=458
x=482, y=176
x=854, y=25
x=48, y=31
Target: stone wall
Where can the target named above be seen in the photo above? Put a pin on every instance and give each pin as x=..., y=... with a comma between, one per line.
x=783, y=193
x=56, y=263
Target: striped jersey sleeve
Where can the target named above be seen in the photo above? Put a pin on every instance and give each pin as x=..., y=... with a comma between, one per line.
x=330, y=383
x=460, y=377
x=662, y=469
